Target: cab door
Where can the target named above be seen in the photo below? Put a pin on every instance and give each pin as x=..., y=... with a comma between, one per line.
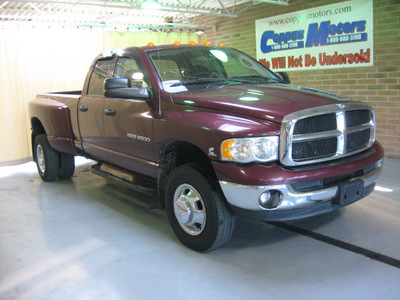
x=91, y=111
x=128, y=125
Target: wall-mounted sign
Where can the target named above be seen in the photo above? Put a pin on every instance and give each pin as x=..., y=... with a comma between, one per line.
x=333, y=36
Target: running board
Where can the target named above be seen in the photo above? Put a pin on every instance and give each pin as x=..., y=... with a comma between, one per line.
x=138, y=183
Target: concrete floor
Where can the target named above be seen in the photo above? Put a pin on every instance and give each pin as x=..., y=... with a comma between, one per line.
x=87, y=238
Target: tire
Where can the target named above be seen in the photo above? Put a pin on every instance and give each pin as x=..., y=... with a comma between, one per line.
x=196, y=209
x=67, y=166
x=47, y=159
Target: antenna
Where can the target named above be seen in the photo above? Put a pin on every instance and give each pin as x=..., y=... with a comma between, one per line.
x=159, y=91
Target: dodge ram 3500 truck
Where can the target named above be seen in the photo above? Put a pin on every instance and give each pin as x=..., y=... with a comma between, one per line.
x=214, y=134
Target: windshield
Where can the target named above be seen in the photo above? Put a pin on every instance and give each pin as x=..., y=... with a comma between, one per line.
x=199, y=68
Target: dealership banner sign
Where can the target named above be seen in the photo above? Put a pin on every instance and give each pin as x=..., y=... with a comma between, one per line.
x=333, y=36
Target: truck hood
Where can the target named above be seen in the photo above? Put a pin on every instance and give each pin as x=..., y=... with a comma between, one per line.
x=271, y=102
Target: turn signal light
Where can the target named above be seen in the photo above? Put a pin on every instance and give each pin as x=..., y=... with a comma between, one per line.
x=150, y=44
x=192, y=43
x=225, y=147
x=177, y=43
x=206, y=43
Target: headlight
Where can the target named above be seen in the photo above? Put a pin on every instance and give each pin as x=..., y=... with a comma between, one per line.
x=250, y=149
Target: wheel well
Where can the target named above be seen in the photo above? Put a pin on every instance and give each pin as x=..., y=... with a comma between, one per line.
x=37, y=128
x=176, y=154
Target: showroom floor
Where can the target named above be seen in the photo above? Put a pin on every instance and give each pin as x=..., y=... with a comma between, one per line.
x=87, y=238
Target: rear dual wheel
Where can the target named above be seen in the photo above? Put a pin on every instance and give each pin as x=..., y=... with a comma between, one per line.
x=67, y=166
x=196, y=209
x=51, y=163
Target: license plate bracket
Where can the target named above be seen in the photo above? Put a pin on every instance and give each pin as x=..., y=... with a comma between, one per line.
x=349, y=192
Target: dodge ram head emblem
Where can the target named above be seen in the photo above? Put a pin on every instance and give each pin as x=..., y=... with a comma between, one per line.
x=211, y=151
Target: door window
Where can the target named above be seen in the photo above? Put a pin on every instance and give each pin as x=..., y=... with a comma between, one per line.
x=100, y=72
x=127, y=67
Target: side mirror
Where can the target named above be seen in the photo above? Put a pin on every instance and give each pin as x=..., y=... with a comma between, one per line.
x=284, y=76
x=121, y=88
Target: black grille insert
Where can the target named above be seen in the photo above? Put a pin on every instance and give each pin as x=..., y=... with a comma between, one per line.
x=357, y=117
x=358, y=140
x=316, y=124
x=314, y=149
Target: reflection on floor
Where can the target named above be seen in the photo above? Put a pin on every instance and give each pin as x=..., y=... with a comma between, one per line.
x=86, y=238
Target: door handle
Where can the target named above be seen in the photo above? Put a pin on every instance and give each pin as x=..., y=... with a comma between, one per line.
x=83, y=108
x=110, y=112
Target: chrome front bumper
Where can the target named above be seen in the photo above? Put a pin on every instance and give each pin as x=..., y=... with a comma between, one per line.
x=247, y=197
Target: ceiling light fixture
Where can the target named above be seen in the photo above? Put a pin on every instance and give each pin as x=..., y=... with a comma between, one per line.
x=199, y=31
x=279, y=2
x=151, y=4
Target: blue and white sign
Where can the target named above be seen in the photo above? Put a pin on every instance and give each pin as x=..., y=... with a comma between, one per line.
x=333, y=36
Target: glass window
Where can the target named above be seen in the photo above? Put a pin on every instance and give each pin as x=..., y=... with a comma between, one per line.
x=96, y=83
x=168, y=69
x=128, y=68
x=200, y=68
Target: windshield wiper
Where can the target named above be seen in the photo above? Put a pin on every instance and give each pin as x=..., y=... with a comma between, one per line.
x=241, y=79
x=254, y=79
x=198, y=81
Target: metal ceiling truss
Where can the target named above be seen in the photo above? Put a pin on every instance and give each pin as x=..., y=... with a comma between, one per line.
x=176, y=15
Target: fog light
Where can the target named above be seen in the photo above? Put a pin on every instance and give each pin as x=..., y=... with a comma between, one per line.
x=270, y=199
x=265, y=198
x=379, y=163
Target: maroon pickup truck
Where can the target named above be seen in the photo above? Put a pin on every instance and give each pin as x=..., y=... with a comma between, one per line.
x=214, y=134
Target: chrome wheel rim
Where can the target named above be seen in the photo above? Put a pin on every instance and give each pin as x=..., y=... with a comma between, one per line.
x=189, y=209
x=40, y=159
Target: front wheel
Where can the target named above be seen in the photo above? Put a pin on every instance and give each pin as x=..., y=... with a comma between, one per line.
x=196, y=209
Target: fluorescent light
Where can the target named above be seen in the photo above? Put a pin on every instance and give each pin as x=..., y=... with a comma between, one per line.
x=151, y=4
x=383, y=189
x=279, y=2
x=4, y=4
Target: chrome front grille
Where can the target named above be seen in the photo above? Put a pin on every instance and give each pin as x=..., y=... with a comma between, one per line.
x=326, y=133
